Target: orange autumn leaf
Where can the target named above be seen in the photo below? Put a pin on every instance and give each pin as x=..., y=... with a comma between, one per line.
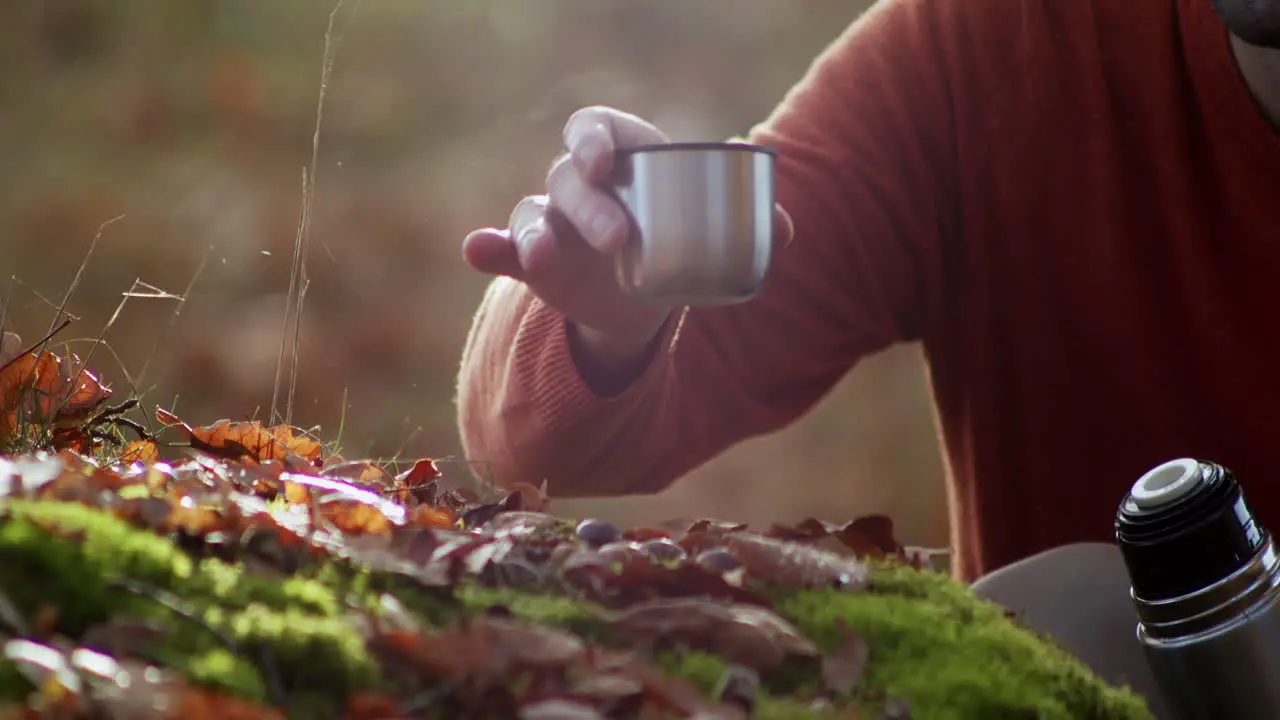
x=534, y=498
x=365, y=473
x=334, y=459
x=143, y=451
x=237, y=440
x=197, y=704
x=372, y=706
x=296, y=494
x=198, y=521
x=433, y=517
x=307, y=448
x=47, y=389
x=355, y=517
x=76, y=474
x=22, y=374
x=80, y=391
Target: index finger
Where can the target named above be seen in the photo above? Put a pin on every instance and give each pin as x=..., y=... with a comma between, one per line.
x=593, y=133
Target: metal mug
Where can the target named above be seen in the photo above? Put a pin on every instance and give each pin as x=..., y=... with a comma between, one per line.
x=701, y=215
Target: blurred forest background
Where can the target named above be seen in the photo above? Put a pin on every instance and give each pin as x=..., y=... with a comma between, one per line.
x=194, y=119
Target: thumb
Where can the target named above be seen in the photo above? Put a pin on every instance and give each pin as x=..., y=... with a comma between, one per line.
x=492, y=251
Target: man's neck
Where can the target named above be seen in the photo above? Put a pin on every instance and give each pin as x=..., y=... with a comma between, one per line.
x=1261, y=70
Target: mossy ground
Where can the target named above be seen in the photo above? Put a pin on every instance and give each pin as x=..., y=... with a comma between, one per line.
x=931, y=642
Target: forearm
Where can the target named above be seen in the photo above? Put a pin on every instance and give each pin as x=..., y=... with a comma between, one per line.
x=609, y=365
x=528, y=409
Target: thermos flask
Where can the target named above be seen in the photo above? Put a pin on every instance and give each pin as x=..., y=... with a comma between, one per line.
x=1205, y=580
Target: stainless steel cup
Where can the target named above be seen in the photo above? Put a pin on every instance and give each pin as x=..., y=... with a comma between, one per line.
x=702, y=221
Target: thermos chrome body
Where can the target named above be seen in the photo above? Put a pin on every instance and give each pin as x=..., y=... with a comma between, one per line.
x=1205, y=579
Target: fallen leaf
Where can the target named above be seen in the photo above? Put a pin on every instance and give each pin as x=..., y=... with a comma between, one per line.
x=246, y=439
x=45, y=389
x=558, y=709
x=746, y=635
x=795, y=565
x=200, y=704
x=143, y=451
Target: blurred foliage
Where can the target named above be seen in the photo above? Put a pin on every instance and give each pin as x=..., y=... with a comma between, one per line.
x=194, y=121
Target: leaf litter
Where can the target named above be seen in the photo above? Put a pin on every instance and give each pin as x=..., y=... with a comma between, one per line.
x=270, y=498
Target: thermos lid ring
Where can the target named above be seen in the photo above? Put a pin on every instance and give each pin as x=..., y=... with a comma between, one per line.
x=1166, y=483
x=1184, y=527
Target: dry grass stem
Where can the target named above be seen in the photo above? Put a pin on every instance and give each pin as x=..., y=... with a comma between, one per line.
x=15, y=281
x=298, y=280
x=139, y=289
x=177, y=312
x=75, y=281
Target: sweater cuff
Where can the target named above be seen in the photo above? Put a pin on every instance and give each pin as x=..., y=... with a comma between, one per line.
x=557, y=392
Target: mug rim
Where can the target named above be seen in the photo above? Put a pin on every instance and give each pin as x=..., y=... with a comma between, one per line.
x=702, y=145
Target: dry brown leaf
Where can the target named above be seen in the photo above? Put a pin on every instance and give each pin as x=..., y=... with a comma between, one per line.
x=795, y=565
x=246, y=439
x=143, y=451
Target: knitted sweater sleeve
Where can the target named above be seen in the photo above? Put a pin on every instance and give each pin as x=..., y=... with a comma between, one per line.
x=864, y=147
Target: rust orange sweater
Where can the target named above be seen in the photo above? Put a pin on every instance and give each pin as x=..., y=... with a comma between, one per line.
x=1074, y=206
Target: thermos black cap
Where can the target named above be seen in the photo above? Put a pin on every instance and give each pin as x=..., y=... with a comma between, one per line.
x=1184, y=526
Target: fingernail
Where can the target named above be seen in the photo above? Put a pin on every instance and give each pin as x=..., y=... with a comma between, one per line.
x=589, y=151
x=528, y=232
x=528, y=235
x=603, y=228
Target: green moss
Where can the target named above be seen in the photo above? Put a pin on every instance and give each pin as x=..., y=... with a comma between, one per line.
x=13, y=685
x=233, y=586
x=92, y=548
x=932, y=642
x=293, y=626
x=318, y=652
x=706, y=671
x=220, y=668
x=537, y=608
x=951, y=655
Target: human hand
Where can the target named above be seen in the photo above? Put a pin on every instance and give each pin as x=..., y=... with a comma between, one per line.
x=562, y=244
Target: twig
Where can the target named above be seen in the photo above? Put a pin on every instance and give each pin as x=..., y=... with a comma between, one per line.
x=288, y=302
x=113, y=411
x=139, y=289
x=405, y=443
x=14, y=280
x=112, y=416
x=342, y=423
x=84, y=264
x=294, y=267
x=129, y=379
x=177, y=312
x=297, y=343
x=58, y=322
x=40, y=344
